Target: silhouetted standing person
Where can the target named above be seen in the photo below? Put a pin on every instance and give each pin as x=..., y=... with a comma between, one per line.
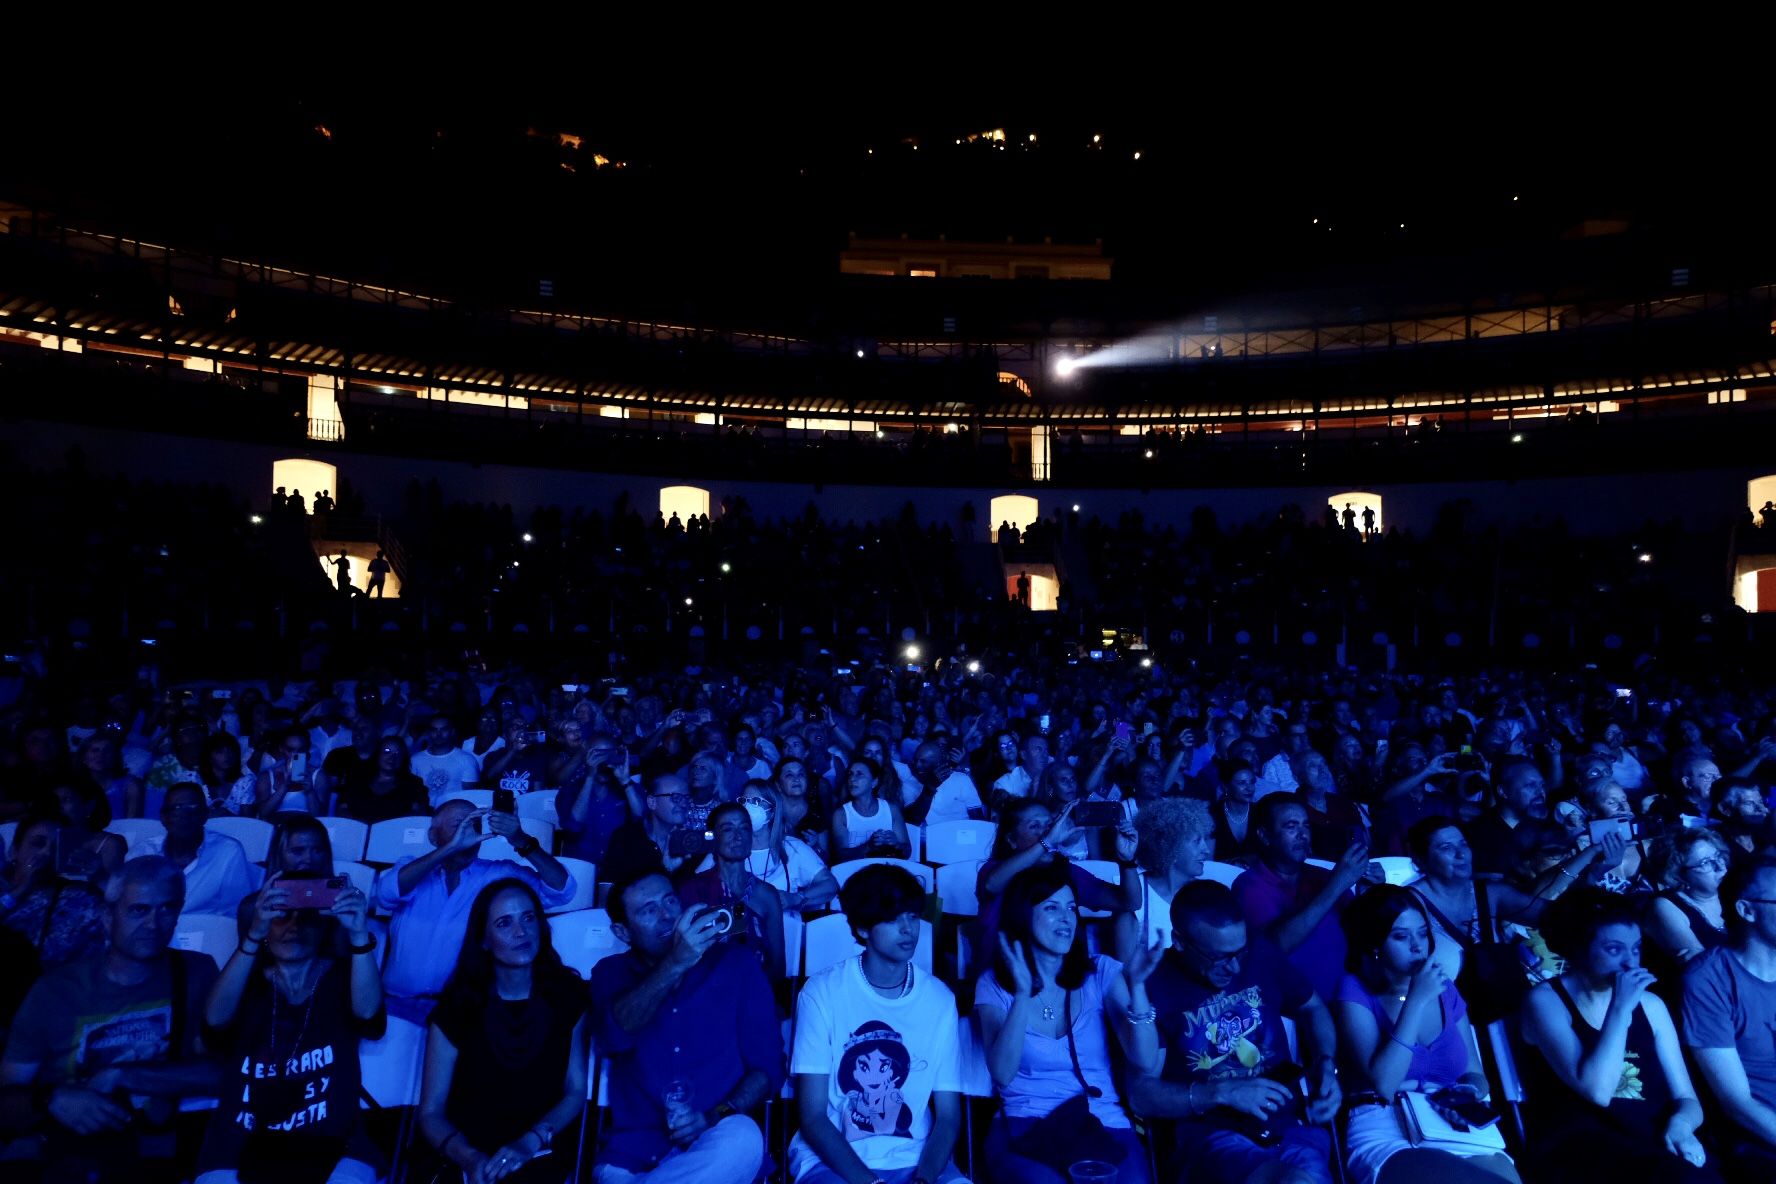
x=342, y=572
x=1767, y=515
x=1368, y=520
x=297, y=505
x=1350, y=518
x=1023, y=588
x=379, y=569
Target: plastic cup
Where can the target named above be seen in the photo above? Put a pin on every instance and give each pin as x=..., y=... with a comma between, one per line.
x=1092, y=1171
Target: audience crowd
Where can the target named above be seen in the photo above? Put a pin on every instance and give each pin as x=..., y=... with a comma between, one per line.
x=1259, y=922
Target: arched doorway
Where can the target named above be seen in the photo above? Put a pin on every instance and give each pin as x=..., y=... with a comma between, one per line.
x=1016, y=508
x=1358, y=501
x=687, y=501
x=308, y=476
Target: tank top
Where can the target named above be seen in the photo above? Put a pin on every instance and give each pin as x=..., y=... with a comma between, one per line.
x=1642, y=1097
x=859, y=827
x=1701, y=926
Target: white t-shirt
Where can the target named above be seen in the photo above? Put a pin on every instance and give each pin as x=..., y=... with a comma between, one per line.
x=1278, y=777
x=444, y=775
x=804, y=865
x=883, y=1059
x=1016, y=783
x=953, y=799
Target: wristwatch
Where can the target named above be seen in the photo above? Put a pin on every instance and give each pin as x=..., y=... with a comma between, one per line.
x=545, y=1132
x=722, y=1110
x=524, y=844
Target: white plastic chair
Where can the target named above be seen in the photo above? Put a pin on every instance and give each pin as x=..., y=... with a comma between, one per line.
x=956, y=886
x=919, y=871
x=914, y=836
x=583, y=939
x=361, y=875
x=828, y=941
x=253, y=834
x=540, y=804
x=481, y=798
x=207, y=933
x=348, y=836
x=134, y=832
x=959, y=841
x=390, y=1067
x=1222, y=873
x=7, y=830
x=394, y=839
x=499, y=848
x=1399, y=869
x=585, y=881
x=1325, y=864
x=794, y=928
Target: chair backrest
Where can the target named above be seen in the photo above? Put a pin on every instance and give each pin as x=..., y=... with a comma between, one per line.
x=253, y=834
x=1399, y=869
x=1106, y=870
x=348, y=836
x=925, y=875
x=956, y=888
x=390, y=1066
x=915, y=836
x=828, y=941
x=959, y=841
x=7, y=830
x=584, y=938
x=362, y=876
x=977, y=1079
x=794, y=928
x=536, y=828
x=396, y=838
x=540, y=804
x=134, y=832
x=1324, y=864
x=585, y=881
x=1222, y=873
x=207, y=933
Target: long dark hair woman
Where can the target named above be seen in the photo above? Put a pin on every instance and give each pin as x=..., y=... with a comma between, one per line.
x=505, y=1062
x=1048, y=1010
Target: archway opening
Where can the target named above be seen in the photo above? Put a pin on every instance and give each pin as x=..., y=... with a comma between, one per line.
x=307, y=476
x=1365, y=509
x=687, y=501
x=1016, y=508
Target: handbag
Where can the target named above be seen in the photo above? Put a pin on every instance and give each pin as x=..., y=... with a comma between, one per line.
x=1070, y=1132
x=1494, y=976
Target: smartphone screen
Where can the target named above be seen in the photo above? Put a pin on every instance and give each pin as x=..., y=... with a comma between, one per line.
x=316, y=893
x=505, y=801
x=1097, y=814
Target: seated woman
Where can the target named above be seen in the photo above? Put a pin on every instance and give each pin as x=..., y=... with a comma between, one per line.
x=60, y=920
x=88, y=851
x=1604, y=800
x=100, y=760
x=731, y=884
x=779, y=859
x=1614, y=1098
x=382, y=788
x=803, y=815
x=1234, y=840
x=228, y=787
x=866, y=823
x=1402, y=1025
x=300, y=848
x=1047, y=1037
x=1173, y=838
x=505, y=1060
x=285, y=1001
x=1685, y=918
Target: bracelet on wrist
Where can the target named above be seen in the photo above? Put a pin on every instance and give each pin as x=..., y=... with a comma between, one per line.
x=255, y=942
x=367, y=947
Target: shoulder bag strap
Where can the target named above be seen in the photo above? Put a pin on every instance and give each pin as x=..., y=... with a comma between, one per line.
x=1457, y=933
x=1091, y=1091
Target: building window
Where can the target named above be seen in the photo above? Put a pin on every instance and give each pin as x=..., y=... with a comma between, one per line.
x=922, y=271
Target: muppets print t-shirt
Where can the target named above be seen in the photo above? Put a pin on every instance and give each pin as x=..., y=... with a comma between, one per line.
x=1236, y=1031
x=883, y=1058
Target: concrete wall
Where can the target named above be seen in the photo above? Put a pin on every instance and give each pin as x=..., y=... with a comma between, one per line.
x=1698, y=498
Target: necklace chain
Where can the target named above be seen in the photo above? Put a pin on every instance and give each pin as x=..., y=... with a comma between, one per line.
x=906, y=980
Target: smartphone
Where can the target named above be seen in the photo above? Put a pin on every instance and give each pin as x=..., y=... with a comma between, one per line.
x=298, y=766
x=1631, y=829
x=1123, y=731
x=686, y=843
x=572, y=688
x=619, y=692
x=1467, y=760
x=73, y=862
x=1477, y=1114
x=1624, y=692
x=1097, y=814
x=316, y=893
x=505, y=801
x=841, y=671
x=537, y=737
x=1042, y=722
x=221, y=693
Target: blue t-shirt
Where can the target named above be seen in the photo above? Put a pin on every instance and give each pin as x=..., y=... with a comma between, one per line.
x=1236, y=1031
x=1726, y=1006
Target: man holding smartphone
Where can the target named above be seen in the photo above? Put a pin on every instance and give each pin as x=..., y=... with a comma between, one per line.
x=431, y=896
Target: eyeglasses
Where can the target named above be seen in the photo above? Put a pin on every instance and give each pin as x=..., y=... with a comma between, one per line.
x=682, y=799
x=1217, y=960
x=1711, y=864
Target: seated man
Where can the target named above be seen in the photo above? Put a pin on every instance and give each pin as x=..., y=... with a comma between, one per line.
x=646, y=842
x=945, y=792
x=1729, y=1011
x=431, y=896
x=443, y=766
x=878, y=1075
x=1522, y=793
x=104, y=1047
x=1225, y=1071
x=1294, y=905
x=216, y=871
x=686, y=1013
